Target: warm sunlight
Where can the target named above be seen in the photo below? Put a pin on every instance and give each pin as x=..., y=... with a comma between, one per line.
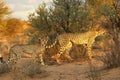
x=59, y=39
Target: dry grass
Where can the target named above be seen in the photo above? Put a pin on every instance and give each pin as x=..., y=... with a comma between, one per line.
x=110, y=60
x=94, y=72
x=26, y=69
x=30, y=69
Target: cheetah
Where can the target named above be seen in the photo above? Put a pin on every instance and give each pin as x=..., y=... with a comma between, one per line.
x=32, y=51
x=66, y=41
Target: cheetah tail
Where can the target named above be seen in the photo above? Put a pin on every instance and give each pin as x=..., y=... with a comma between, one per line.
x=53, y=44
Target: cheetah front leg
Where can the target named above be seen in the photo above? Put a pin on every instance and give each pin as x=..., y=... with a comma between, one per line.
x=89, y=53
x=41, y=59
x=38, y=58
x=89, y=47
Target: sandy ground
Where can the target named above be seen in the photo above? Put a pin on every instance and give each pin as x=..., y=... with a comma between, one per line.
x=70, y=71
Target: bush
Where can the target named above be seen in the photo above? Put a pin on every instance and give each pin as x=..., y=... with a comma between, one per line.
x=94, y=73
x=25, y=69
x=110, y=60
x=31, y=69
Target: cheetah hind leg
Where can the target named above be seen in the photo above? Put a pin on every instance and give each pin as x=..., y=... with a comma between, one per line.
x=58, y=55
x=67, y=55
x=57, y=58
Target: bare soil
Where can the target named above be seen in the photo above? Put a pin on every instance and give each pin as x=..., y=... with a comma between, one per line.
x=78, y=70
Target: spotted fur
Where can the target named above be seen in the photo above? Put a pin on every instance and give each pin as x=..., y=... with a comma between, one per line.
x=34, y=51
x=66, y=40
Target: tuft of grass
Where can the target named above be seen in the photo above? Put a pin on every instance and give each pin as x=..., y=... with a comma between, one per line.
x=94, y=72
x=26, y=69
x=31, y=68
